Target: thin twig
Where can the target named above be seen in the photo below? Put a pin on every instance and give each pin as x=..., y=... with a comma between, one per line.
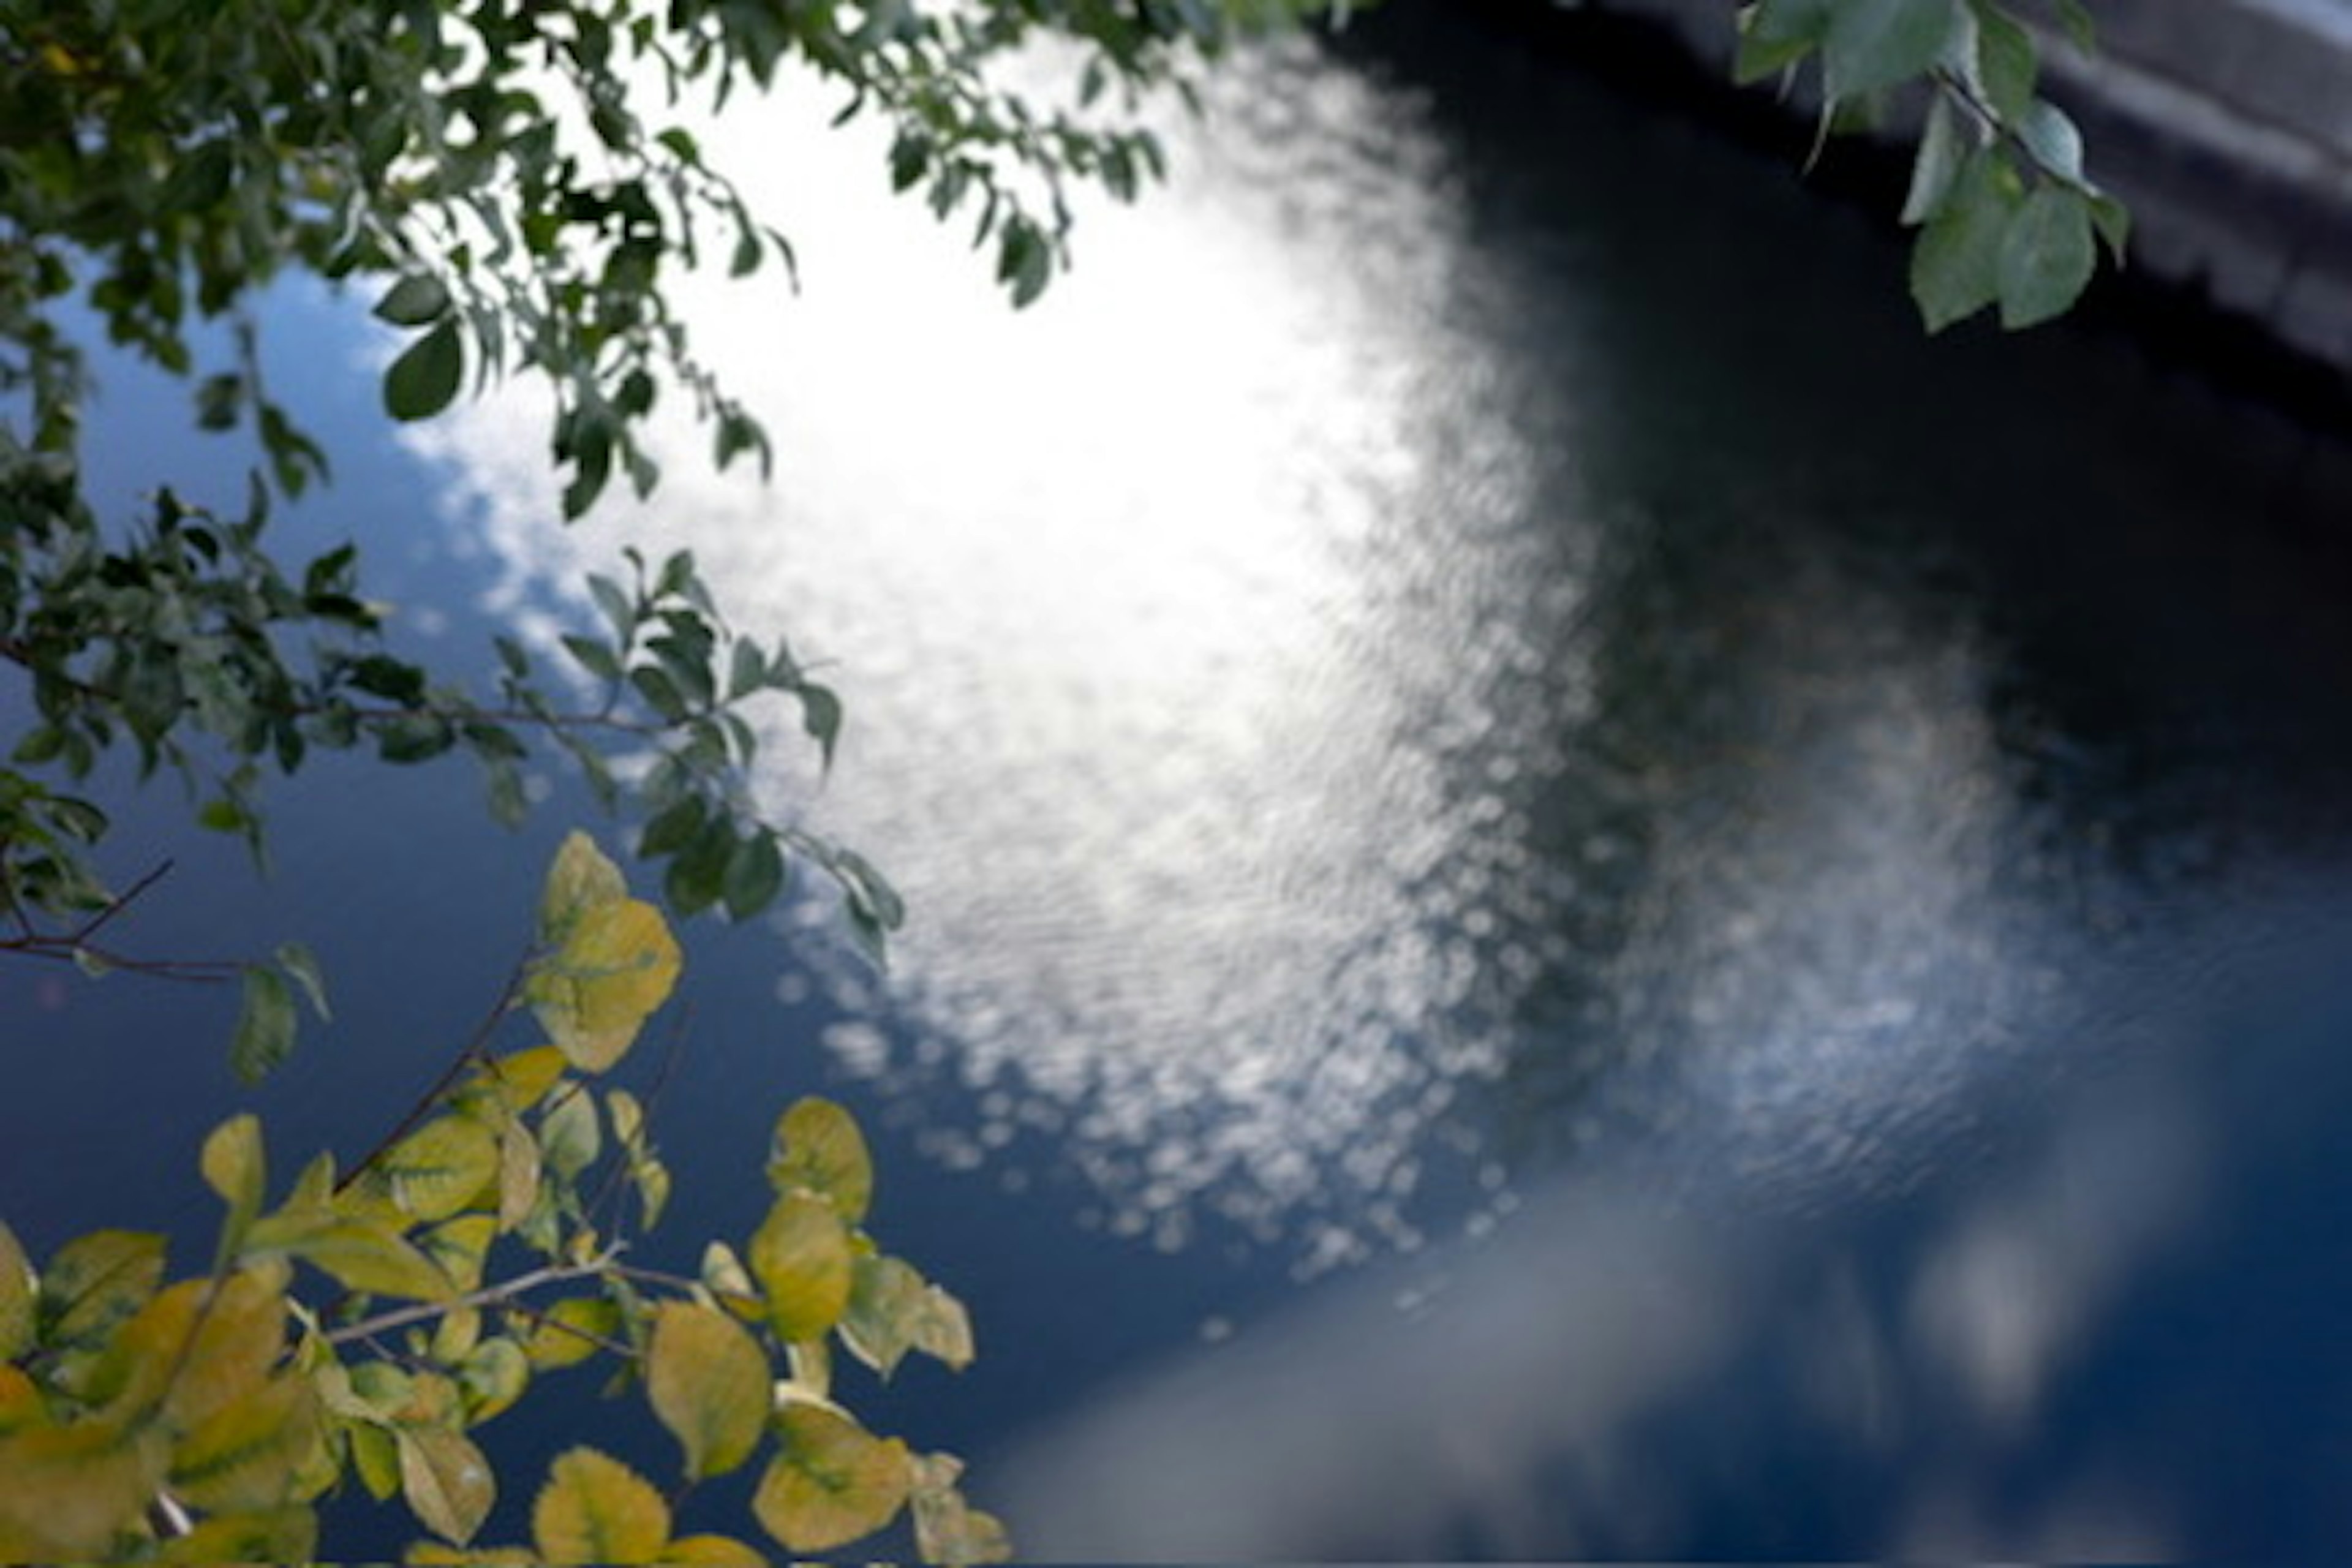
x=489, y=1296
x=474, y=1052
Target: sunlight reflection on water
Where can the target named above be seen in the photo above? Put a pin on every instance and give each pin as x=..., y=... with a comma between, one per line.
x=1224, y=664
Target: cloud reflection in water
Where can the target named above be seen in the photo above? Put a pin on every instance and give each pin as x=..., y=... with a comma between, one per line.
x=1234, y=698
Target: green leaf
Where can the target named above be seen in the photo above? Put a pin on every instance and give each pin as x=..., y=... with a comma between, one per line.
x=418, y=297
x=1776, y=34
x=708, y=1381
x=425, y=377
x=820, y=717
x=264, y=1027
x=2046, y=257
x=2113, y=221
x=755, y=874
x=831, y=1482
x=1874, y=43
x=1955, y=262
x=2006, y=63
x=2075, y=18
x=595, y=1509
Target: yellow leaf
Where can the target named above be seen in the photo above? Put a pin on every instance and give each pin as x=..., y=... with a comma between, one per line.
x=252, y=1456
x=196, y=1356
x=571, y=1332
x=363, y=1255
x=580, y=879
x=592, y=994
x=716, y=1550
x=596, y=1510
x=817, y=1148
x=233, y=1166
x=97, y=1281
x=428, y=1553
x=16, y=1295
x=278, y=1535
x=436, y=1171
x=458, y=1247
x=65, y=1491
x=831, y=1482
x=518, y=1171
x=446, y=1480
x=21, y=1404
x=522, y=1079
x=492, y=1378
x=801, y=1257
x=708, y=1380
x=455, y=1335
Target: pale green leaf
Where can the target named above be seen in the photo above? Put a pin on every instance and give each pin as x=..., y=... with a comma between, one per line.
x=2049, y=135
x=447, y=1482
x=569, y=1135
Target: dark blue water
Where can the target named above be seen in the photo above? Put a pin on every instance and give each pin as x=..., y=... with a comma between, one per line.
x=1572, y=896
